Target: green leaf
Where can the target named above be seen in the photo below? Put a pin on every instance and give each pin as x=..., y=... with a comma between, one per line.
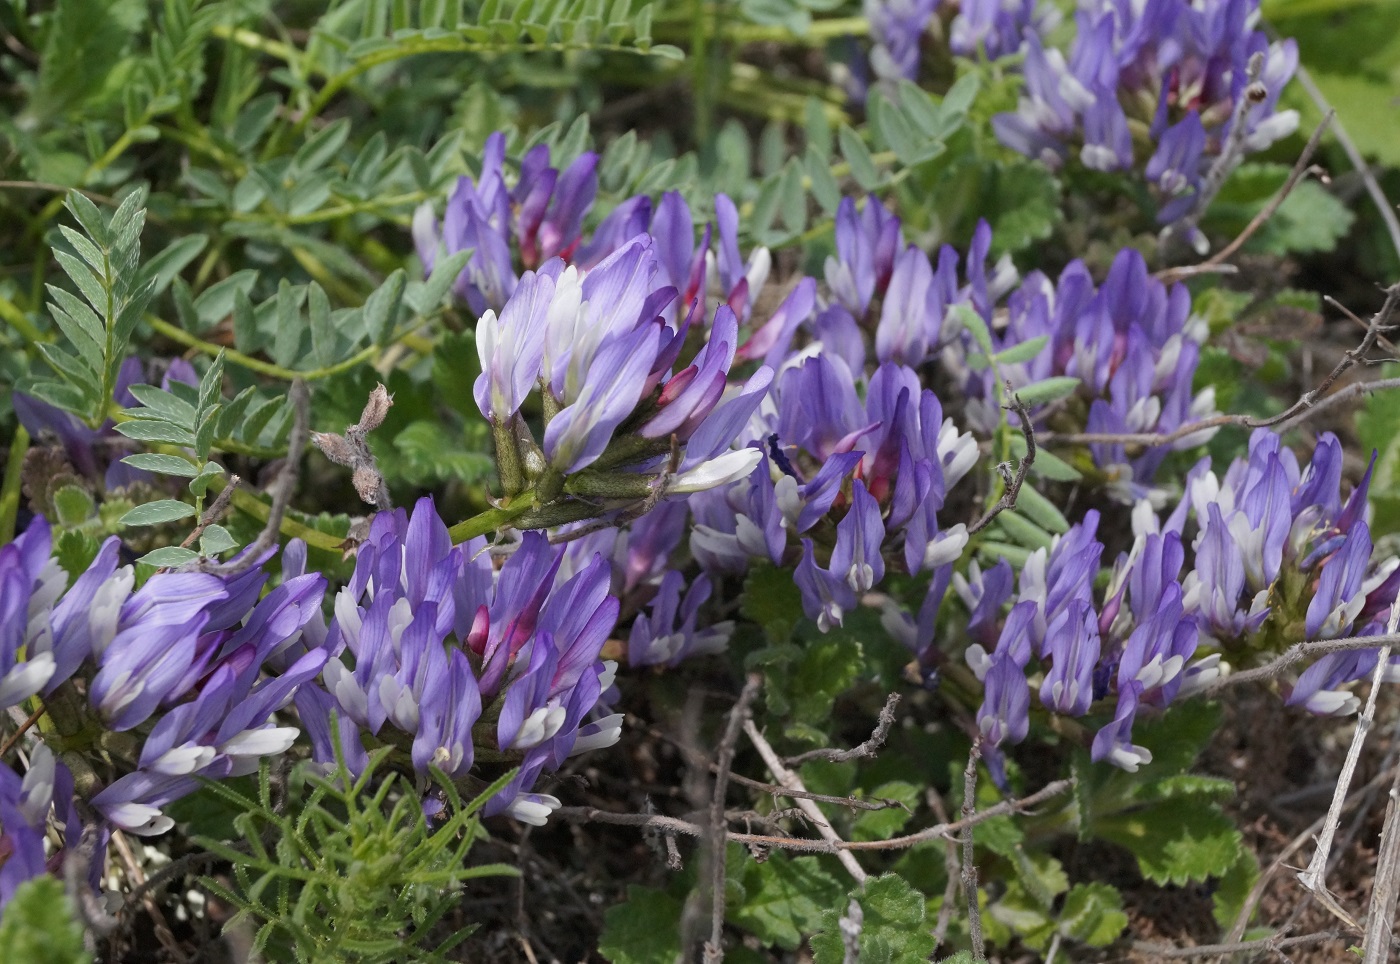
x=382, y=307
x=894, y=930
x=884, y=824
x=169, y=557
x=1233, y=888
x=1022, y=352
x=783, y=898
x=39, y=926
x=858, y=156
x=320, y=148
x=644, y=929
x=1048, y=389
x=323, y=339
x=75, y=550
x=216, y=539
x=150, y=430
x=1023, y=531
x=155, y=513
x=1176, y=844
x=160, y=404
x=1093, y=914
x=772, y=601
x=1041, y=510
x=73, y=505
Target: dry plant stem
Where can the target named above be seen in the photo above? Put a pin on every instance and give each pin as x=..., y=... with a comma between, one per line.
x=951, y=869
x=724, y=759
x=137, y=878
x=969, y=866
x=1014, y=482
x=1256, y=892
x=649, y=821
x=1373, y=187
x=1380, y=322
x=693, y=755
x=1380, y=916
x=1314, y=877
x=23, y=729
x=1297, y=653
x=1266, y=944
x=1301, y=169
x=285, y=486
x=865, y=751
x=214, y=513
x=789, y=779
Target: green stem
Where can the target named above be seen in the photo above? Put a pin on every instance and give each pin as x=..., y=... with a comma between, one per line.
x=9, y=492
x=253, y=364
x=247, y=502
x=492, y=520
x=818, y=32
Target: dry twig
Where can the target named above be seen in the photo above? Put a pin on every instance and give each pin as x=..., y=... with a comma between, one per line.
x=1314, y=877
x=724, y=759
x=864, y=751
x=1013, y=482
x=969, y=866
x=214, y=513
x=1305, y=405
x=1301, y=169
x=283, y=488
x=788, y=779
x=1275, y=943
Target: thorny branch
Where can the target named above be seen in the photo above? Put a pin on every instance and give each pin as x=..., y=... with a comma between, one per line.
x=864, y=751
x=1309, y=403
x=724, y=759
x=1013, y=482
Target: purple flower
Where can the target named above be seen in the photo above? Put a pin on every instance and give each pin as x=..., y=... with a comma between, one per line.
x=441, y=641
x=671, y=632
x=1072, y=645
x=1004, y=716
x=1113, y=743
x=25, y=805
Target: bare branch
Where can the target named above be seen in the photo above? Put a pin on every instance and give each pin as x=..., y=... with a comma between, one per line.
x=1013, y=482
x=657, y=822
x=1308, y=404
x=1301, y=169
x=724, y=759
x=1373, y=187
x=214, y=513
x=969, y=865
x=1314, y=877
x=1299, y=652
x=788, y=778
x=1275, y=943
x=865, y=751
x=282, y=489
x=1380, y=916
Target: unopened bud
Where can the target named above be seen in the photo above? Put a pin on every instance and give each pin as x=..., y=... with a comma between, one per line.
x=376, y=408
x=334, y=447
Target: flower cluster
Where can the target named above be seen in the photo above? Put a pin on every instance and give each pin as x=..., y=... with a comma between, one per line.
x=1198, y=78
x=459, y=664
x=1132, y=343
x=171, y=673
x=1274, y=549
x=991, y=28
x=541, y=218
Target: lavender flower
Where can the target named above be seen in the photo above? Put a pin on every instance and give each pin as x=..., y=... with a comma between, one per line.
x=444, y=646
x=25, y=806
x=1181, y=71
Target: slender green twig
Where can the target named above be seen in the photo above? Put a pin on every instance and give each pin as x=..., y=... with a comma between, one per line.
x=9, y=492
